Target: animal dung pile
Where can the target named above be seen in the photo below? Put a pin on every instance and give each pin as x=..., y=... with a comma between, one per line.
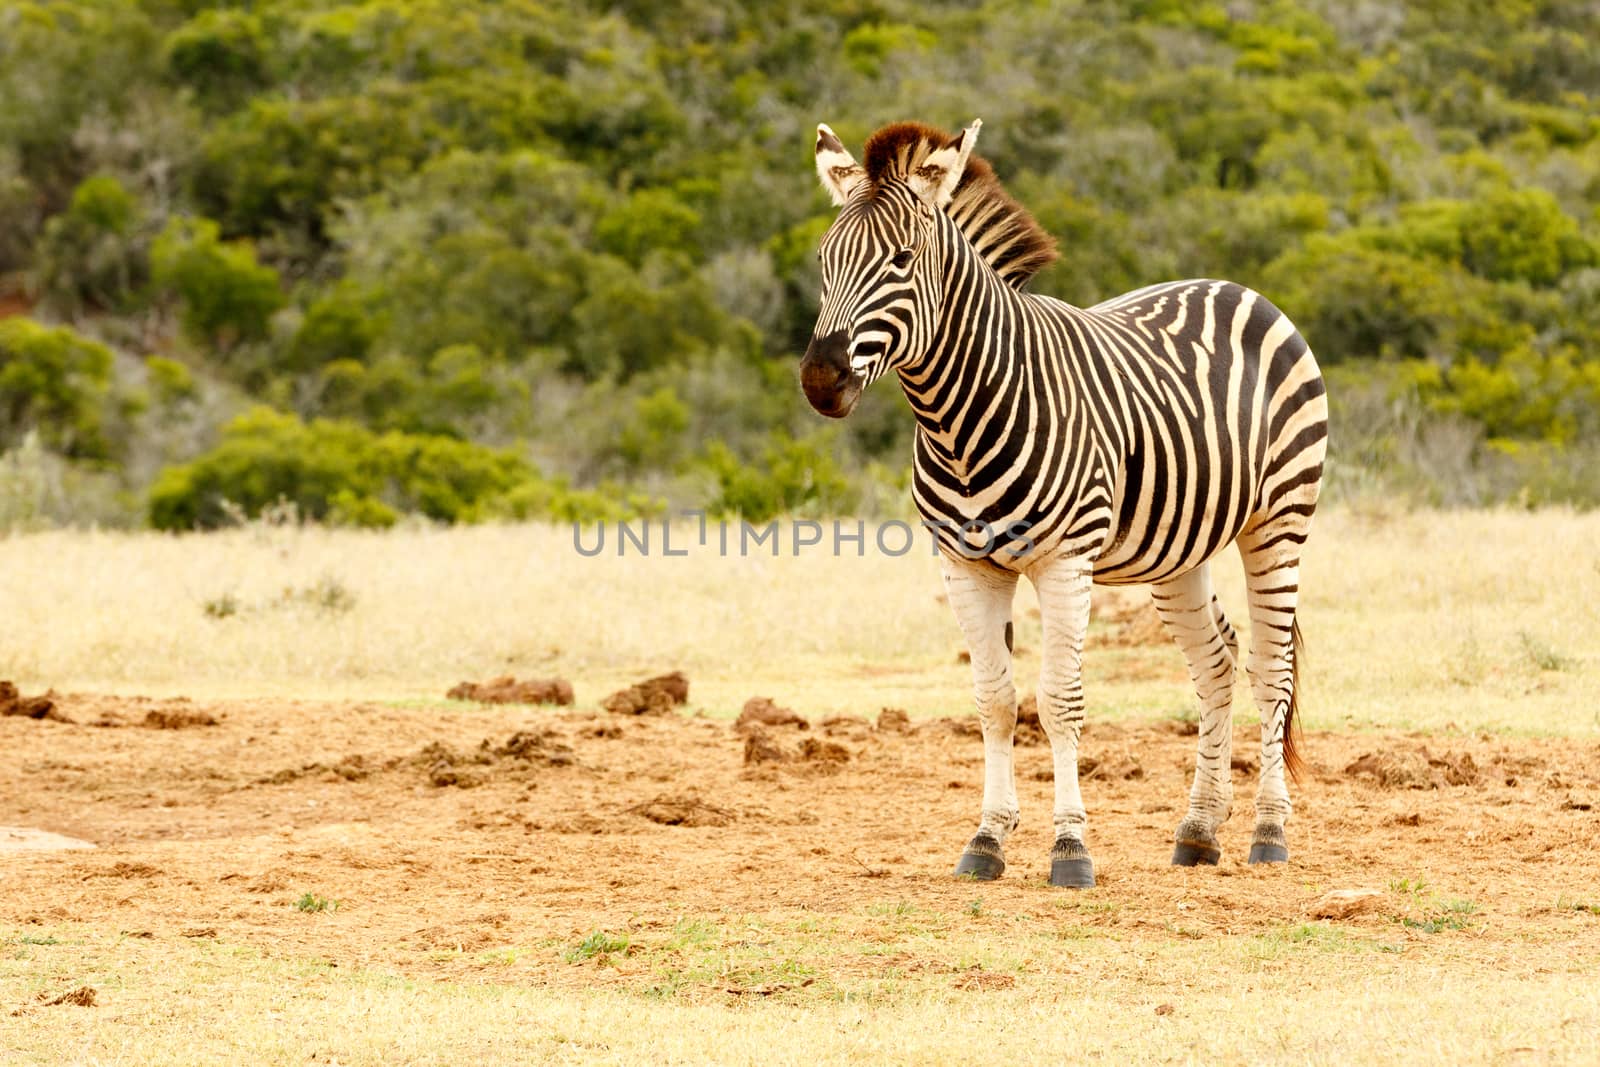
x=761, y=711
x=13, y=702
x=507, y=690
x=653, y=696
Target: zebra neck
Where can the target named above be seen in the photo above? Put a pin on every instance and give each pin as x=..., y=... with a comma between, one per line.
x=970, y=391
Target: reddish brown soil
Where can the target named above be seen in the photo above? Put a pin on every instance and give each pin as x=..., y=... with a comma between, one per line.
x=477, y=827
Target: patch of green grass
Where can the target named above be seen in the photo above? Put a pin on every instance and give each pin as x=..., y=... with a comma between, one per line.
x=1563, y=904
x=1445, y=915
x=692, y=933
x=898, y=908
x=975, y=909
x=30, y=939
x=599, y=943
x=1543, y=655
x=311, y=902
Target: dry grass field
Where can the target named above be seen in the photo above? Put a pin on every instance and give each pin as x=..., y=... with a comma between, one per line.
x=321, y=860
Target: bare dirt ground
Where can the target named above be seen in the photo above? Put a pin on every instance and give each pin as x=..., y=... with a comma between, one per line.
x=437, y=836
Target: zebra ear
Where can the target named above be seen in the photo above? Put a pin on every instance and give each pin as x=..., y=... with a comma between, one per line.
x=839, y=171
x=936, y=180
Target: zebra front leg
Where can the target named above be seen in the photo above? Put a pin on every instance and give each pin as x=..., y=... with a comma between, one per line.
x=1064, y=587
x=1193, y=617
x=981, y=596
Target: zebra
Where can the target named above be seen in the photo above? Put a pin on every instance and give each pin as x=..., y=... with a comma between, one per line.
x=1124, y=443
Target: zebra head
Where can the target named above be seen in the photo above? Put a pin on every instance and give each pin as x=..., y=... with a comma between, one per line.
x=880, y=281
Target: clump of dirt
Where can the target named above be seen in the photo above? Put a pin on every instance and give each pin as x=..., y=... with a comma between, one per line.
x=156, y=719
x=1030, y=731
x=653, y=696
x=1414, y=769
x=980, y=980
x=353, y=768
x=507, y=690
x=894, y=721
x=759, y=747
x=83, y=997
x=446, y=767
x=13, y=702
x=966, y=726
x=1122, y=768
x=1136, y=622
x=671, y=810
x=815, y=750
x=1343, y=903
x=761, y=711
x=536, y=746
x=851, y=726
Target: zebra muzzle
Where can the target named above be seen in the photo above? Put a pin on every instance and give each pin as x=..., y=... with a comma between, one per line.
x=826, y=377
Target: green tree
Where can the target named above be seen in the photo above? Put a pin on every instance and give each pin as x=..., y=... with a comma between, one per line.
x=56, y=383
x=226, y=296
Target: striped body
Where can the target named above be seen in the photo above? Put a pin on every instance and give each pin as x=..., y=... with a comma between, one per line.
x=1126, y=443
x=1143, y=433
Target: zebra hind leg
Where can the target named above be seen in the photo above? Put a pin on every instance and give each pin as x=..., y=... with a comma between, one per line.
x=1193, y=617
x=981, y=598
x=1272, y=575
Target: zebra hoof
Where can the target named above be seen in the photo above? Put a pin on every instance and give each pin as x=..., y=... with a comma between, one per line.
x=981, y=861
x=1075, y=873
x=1196, y=853
x=1270, y=852
x=1070, y=866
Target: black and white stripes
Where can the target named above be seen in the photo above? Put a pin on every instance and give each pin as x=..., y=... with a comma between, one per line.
x=1125, y=443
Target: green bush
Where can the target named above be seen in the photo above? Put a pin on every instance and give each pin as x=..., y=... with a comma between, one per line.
x=794, y=475
x=335, y=470
x=91, y=255
x=56, y=383
x=226, y=296
x=343, y=473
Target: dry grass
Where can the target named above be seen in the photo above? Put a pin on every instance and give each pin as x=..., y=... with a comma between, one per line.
x=1419, y=620
x=1310, y=994
x=1428, y=620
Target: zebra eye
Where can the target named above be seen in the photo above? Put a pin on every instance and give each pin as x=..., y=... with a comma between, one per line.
x=902, y=259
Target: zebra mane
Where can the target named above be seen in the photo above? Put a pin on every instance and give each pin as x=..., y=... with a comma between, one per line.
x=999, y=228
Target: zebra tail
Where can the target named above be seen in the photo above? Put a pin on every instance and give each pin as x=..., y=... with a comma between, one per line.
x=1291, y=732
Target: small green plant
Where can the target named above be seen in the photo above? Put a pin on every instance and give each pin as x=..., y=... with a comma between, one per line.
x=975, y=909
x=30, y=939
x=311, y=902
x=599, y=944
x=1446, y=915
x=1542, y=655
x=327, y=594
x=1407, y=886
x=221, y=607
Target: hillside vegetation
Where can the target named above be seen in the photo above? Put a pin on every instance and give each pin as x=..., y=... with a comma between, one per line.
x=555, y=259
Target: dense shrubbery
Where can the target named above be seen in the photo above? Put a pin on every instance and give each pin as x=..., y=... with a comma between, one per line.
x=344, y=473
x=446, y=242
